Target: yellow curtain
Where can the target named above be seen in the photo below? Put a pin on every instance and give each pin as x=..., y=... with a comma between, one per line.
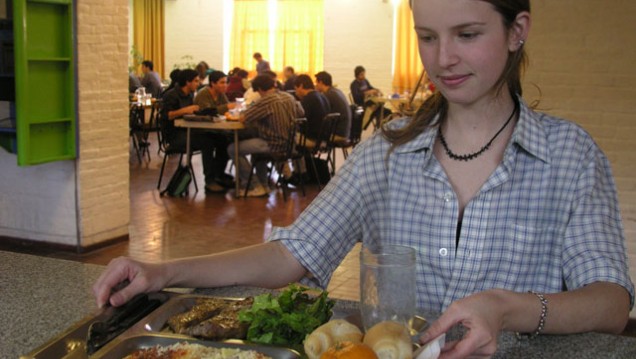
x=250, y=33
x=408, y=66
x=148, y=31
x=299, y=38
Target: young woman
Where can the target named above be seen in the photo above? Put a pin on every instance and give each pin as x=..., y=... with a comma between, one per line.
x=497, y=199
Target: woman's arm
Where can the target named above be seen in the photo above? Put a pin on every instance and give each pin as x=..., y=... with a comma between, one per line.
x=265, y=265
x=600, y=306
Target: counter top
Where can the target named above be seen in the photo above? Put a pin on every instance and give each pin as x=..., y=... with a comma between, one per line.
x=40, y=297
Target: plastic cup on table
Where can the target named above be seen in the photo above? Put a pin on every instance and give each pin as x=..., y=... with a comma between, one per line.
x=387, y=284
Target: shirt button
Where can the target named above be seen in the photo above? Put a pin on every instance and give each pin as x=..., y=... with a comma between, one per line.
x=443, y=252
x=447, y=197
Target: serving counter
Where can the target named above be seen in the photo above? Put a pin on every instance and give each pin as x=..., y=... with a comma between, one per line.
x=40, y=297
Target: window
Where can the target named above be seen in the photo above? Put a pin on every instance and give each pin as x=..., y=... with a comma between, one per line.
x=286, y=32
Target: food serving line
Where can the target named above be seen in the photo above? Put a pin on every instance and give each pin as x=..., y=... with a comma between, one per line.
x=42, y=297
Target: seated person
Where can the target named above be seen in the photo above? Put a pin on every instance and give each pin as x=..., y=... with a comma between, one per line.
x=361, y=87
x=151, y=79
x=290, y=78
x=213, y=96
x=237, y=84
x=361, y=90
x=272, y=115
x=178, y=102
x=315, y=105
x=133, y=83
x=337, y=101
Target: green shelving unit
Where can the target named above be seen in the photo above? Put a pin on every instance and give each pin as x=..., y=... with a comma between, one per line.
x=44, y=80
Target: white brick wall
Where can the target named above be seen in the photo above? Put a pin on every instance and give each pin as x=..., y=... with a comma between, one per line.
x=582, y=55
x=103, y=178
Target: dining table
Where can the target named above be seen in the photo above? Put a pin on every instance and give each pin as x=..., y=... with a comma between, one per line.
x=222, y=124
x=41, y=297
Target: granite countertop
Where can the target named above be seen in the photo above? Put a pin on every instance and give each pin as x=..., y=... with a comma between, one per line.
x=40, y=297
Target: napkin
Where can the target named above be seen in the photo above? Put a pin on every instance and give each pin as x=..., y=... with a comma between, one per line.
x=432, y=349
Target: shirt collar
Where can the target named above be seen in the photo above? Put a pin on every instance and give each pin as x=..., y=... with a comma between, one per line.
x=529, y=134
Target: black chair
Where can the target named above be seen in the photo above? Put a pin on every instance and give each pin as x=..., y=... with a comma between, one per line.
x=279, y=159
x=172, y=151
x=137, y=131
x=314, y=148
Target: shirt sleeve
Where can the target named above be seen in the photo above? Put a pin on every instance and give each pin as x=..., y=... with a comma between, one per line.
x=594, y=247
x=329, y=228
x=358, y=96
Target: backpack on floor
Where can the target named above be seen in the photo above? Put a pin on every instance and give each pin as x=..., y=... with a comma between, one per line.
x=179, y=183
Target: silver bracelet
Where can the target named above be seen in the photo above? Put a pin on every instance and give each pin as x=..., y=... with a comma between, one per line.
x=544, y=314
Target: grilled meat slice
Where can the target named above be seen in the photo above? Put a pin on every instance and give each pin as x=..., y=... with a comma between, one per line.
x=202, y=310
x=224, y=325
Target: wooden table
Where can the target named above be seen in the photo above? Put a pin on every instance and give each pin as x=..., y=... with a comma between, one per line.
x=234, y=126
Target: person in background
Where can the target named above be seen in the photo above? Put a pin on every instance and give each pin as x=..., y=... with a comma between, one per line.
x=203, y=69
x=212, y=98
x=178, y=102
x=174, y=80
x=151, y=79
x=361, y=87
x=513, y=213
x=237, y=82
x=279, y=85
x=272, y=115
x=338, y=102
x=290, y=78
x=315, y=105
x=261, y=64
x=133, y=83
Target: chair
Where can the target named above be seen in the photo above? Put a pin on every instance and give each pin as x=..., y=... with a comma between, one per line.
x=279, y=159
x=137, y=131
x=314, y=148
x=355, y=134
x=171, y=151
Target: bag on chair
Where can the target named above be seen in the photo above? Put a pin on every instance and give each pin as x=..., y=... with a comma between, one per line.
x=179, y=183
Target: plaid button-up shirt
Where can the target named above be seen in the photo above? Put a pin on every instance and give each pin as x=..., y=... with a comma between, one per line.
x=546, y=219
x=273, y=115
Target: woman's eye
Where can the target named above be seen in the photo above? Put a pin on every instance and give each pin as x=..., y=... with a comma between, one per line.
x=468, y=35
x=427, y=38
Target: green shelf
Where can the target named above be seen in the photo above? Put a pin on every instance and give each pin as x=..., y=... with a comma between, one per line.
x=45, y=81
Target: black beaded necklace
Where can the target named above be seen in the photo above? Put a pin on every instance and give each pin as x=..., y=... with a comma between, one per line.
x=472, y=156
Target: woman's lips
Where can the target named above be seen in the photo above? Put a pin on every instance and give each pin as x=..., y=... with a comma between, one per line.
x=453, y=80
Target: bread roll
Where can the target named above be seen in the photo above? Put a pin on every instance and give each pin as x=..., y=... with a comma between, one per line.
x=390, y=340
x=329, y=334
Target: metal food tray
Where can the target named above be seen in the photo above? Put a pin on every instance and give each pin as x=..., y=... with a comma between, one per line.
x=71, y=343
x=156, y=321
x=121, y=348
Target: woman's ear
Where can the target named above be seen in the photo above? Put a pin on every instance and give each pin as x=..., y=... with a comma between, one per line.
x=519, y=31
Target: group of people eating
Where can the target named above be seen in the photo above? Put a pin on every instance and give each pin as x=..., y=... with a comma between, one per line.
x=267, y=117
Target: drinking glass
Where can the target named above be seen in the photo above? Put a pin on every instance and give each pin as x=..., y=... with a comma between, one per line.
x=387, y=284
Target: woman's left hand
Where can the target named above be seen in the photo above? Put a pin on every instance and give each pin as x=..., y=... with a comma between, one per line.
x=481, y=315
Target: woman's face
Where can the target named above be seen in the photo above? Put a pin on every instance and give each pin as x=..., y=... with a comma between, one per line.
x=464, y=47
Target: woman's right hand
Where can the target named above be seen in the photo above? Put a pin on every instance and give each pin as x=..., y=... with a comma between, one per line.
x=143, y=278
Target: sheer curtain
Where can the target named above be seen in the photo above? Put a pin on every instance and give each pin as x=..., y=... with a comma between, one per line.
x=407, y=65
x=289, y=31
x=148, y=31
x=299, y=40
x=250, y=33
